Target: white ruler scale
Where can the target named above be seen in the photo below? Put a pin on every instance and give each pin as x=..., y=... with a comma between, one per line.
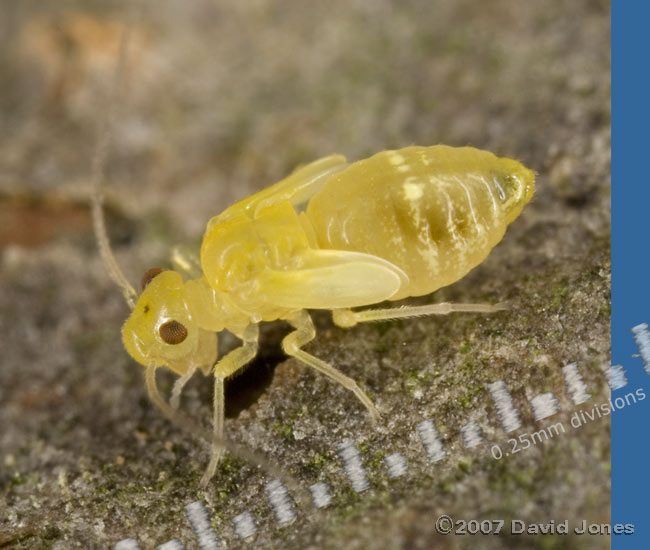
x=543, y=405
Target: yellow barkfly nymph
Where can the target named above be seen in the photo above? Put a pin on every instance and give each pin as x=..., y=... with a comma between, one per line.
x=333, y=236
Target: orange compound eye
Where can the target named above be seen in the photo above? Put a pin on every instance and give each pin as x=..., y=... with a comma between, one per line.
x=149, y=275
x=172, y=332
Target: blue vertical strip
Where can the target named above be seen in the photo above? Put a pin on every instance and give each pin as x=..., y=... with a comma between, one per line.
x=630, y=266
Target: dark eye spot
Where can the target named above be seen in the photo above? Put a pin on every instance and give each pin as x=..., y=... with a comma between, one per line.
x=172, y=332
x=146, y=308
x=149, y=275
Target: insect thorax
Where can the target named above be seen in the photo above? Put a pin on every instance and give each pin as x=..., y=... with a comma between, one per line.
x=237, y=249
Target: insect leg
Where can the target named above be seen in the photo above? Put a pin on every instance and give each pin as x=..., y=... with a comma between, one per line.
x=297, y=188
x=349, y=318
x=303, y=183
x=203, y=435
x=178, y=387
x=304, y=333
x=186, y=261
x=167, y=410
x=228, y=364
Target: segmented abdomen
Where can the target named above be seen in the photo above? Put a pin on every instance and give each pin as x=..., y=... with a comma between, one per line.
x=436, y=212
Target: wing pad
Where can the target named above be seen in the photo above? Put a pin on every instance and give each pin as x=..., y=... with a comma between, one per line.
x=331, y=279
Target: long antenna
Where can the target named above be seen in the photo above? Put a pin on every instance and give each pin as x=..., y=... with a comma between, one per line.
x=98, y=168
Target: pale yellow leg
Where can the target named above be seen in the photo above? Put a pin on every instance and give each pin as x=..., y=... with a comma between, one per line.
x=154, y=394
x=203, y=435
x=228, y=365
x=186, y=261
x=304, y=333
x=296, y=188
x=167, y=410
x=349, y=318
x=175, y=399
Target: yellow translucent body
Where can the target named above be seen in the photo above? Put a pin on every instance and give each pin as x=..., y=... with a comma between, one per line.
x=334, y=236
x=436, y=212
x=433, y=212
